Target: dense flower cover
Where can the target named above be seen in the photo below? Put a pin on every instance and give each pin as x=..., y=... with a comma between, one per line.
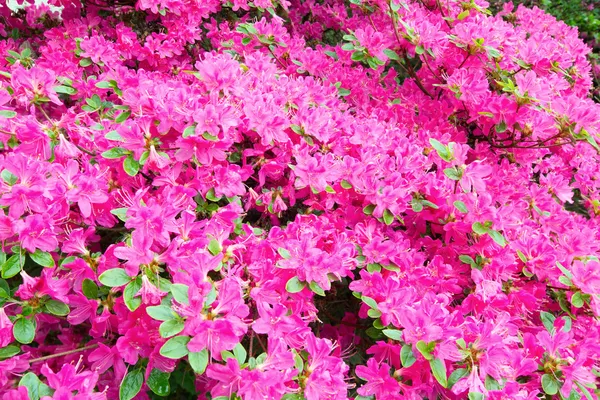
x=298, y=200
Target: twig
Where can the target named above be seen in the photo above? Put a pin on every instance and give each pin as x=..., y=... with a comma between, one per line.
x=64, y=353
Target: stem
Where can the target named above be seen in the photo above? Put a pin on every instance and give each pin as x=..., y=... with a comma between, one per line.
x=64, y=353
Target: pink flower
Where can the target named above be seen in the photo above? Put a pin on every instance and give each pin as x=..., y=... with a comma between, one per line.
x=36, y=232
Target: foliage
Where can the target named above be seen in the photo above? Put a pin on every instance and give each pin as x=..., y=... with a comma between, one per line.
x=297, y=199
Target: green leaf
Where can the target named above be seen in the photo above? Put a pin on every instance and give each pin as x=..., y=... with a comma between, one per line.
x=57, y=308
x=131, y=385
x=497, y=237
x=460, y=206
x=24, y=330
x=7, y=114
x=565, y=271
x=114, y=277
x=35, y=387
x=417, y=206
x=240, y=353
x=585, y=391
x=131, y=166
x=180, y=293
x=198, y=361
x=368, y=210
x=189, y=131
x=314, y=286
x=89, y=289
x=62, y=89
x=521, y=256
x=115, y=152
x=456, y=376
x=170, y=328
x=42, y=258
x=175, y=348
x=161, y=313
x=388, y=217
x=158, y=382
x=284, y=253
x=476, y=396
x=548, y=321
x=345, y=184
x=8, y=177
x=9, y=351
x=214, y=247
x=453, y=173
x=393, y=334
x=568, y=324
x=131, y=302
x=479, y=228
x=407, y=357
x=426, y=349
x=577, y=300
x=549, y=384
x=85, y=62
x=120, y=213
x=442, y=150
x=438, y=367
x=294, y=285
x=370, y=302
x=463, y=15
x=123, y=117
x=103, y=85
x=115, y=136
x=12, y=266
x=391, y=54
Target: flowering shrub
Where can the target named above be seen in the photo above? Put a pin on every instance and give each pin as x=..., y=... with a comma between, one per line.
x=297, y=199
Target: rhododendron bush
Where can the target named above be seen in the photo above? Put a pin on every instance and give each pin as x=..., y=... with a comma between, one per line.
x=362, y=199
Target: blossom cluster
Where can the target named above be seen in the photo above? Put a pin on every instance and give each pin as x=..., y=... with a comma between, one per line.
x=286, y=199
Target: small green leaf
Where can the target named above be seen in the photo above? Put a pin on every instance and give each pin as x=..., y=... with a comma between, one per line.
x=521, y=256
x=549, y=384
x=35, y=387
x=294, y=285
x=12, y=266
x=407, y=357
x=368, y=210
x=391, y=54
x=370, y=302
x=463, y=15
x=345, y=184
x=393, y=334
x=479, y=228
x=548, y=321
x=62, y=89
x=456, y=376
x=426, y=349
x=132, y=302
x=114, y=277
x=476, y=396
x=240, y=353
x=131, y=166
x=131, y=385
x=438, y=367
x=7, y=114
x=314, y=286
x=460, y=206
x=114, y=136
x=388, y=217
x=9, y=351
x=123, y=117
x=24, y=330
x=284, y=253
x=497, y=237
x=199, y=361
x=57, y=308
x=577, y=300
x=180, y=293
x=170, y=328
x=453, y=173
x=189, y=131
x=161, y=313
x=115, y=152
x=89, y=289
x=214, y=247
x=42, y=258
x=175, y=348
x=120, y=213
x=158, y=382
